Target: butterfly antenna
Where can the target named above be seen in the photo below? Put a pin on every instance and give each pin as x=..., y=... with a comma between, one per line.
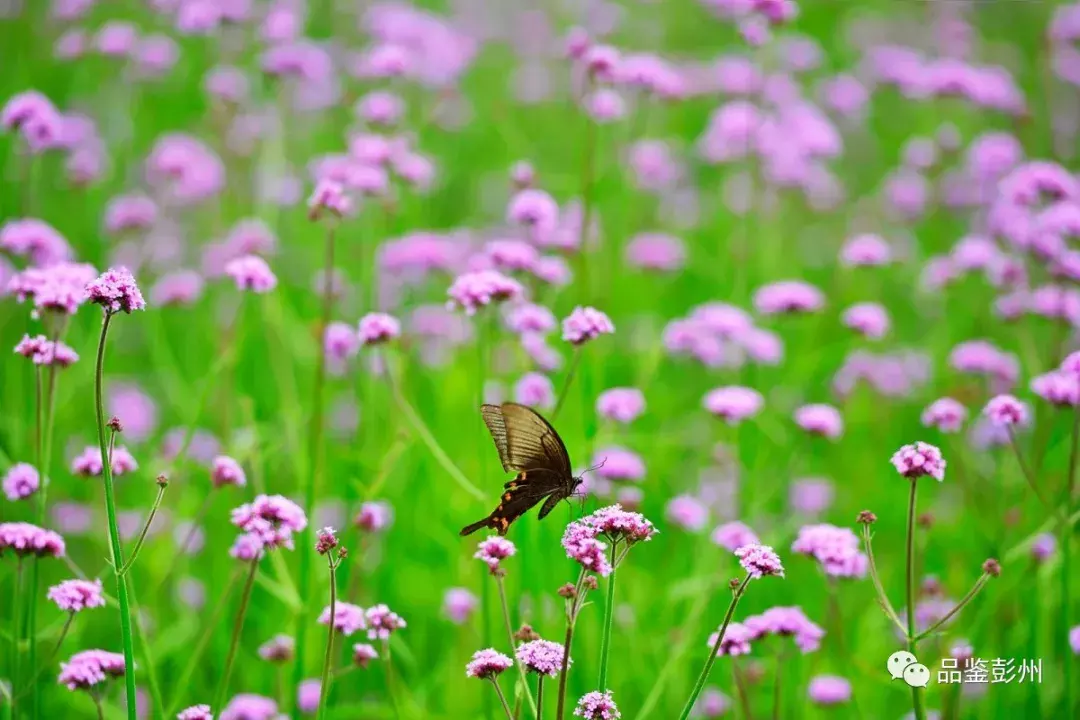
x=595, y=467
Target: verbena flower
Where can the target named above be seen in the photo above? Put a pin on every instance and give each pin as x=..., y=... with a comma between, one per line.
x=493, y=550
x=488, y=664
x=820, y=419
x=307, y=695
x=88, y=462
x=227, y=471
x=116, y=291
x=459, y=604
x=828, y=690
x=473, y=291
x=789, y=296
x=712, y=704
x=348, y=618
x=786, y=622
x=363, y=654
x=918, y=460
x=946, y=414
x=811, y=496
x=534, y=209
x=871, y=320
x=77, y=595
x=619, y=464
x=585, y=324
x=736, y=640
x=381, y=622
x=42, y=351
x=325, y=541
x=759, y=561
x=624, y=404
x=687, y=512
x=836, y=548
x=865, y=251
x=278, y=649
x=89, y=668
x=542, y=656
x=59, y=288
x=1006, y=410
x=733, y=403
x=21, y=481
x=657, y=252
x=251, y=272
x=734, y=535
x=1043, y=546
x=374, y=516
x=376, y=328
x=248, y=706
x=268, y=522
x=1058, y=387
x=529, y=318
x=24, y=539
x=597, y=705
x=196, y=712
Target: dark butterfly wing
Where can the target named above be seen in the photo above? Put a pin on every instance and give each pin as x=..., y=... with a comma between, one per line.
x=515, y=502
x=493, y=418
x=531, y=442
x=548, y=506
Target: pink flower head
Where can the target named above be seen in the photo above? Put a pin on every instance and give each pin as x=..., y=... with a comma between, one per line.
x=36, y=240
x=329, y=197
x=536, y=390
x=88, y=463
x=459, y=604
x=187, y=168
x=820, y=419
x=76, y=595
x=278, y=649
x=25, y=539
x=866, y=251
x=605, y=105
x=307, y=696
x=181, y=287
x=597, y=705
x=250, y=272
x=493, y=551
x=1074, y=640
x=196, y=712
x=919, y=460
x=381, y=622
x=42, y=351
x=837, y=549
x=248, y=706
x=736, y=640
x=363, y=654
x=340, y=342
x=1071, y=363
x=512, y=255
x=734, y=535
x=21, y=481
x=619, y=464
x=687, y=512
x=89, y=668
x=788, y=296
x=25, y=107
x=115, y=290
x=624, y=404
x=584, y=324
x=380, y=108
x=946, y=414
x=1006, y=410
x=656, y=251
x=135, y=409
x=871, y=320
x=581, y=545
x=602, y=62
x=534, y=209
x=759, y=561
x=829, y=690
x=271, y=520
x=473, y=291
x=529, y=318
x=542, y=657
x=376, y=328
x=227, y=471
x=488, y=664
x=786, y=622
x=374, y=516
x=1058, y=387
x=348, y=618
x=1043, y=546
x=733, y=403
x=130, y=212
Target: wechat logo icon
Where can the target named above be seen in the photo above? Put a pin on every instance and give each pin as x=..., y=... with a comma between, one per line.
x=902, y=665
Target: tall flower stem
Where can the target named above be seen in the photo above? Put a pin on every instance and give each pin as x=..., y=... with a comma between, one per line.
x=777, y=687
x=704, y=676
x=1025, y=470
x=983, y=579
x=609, y=612
x=115, y=549
x=571, y=372
x=1066, y=560
x=883, y=599
x=16, y=595
x=916, y=696
x=238, y=625
x=146, y=526
x=324, y=686
x=48, y=661
x=539, y=696
x=39, y=448
x=571, y=620
x=502, y=699
x=499, y=580
x=316, y=458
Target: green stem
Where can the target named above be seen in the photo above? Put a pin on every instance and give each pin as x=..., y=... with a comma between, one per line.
x=1066, y=561
x=56, y=648
x=539, y=696
x=324, y=687
x=316, y=460
x=16, y=597
x=570, y=373
x=776, y=687
x=956, y=609
x=502, y=699
x=916, y=696
x=883, y=599
x=704, y=676
x=145, y=529
x=238, y=625
x=609, y=613
x=1030, y=477
x=571, y=620
x=510, y=637
x=115, y=549
x=147, y=653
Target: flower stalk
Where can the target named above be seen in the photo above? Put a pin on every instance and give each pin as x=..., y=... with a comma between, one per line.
x=573, y=607
x=912, y=641
x=238, y=625
x=609, y=613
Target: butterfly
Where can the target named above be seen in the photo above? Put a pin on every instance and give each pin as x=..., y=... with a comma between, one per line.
x=529, y=446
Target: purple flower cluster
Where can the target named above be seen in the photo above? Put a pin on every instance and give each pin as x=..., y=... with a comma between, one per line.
x=473, y=291
x=585, y=324
x=374, y=516
x=759, y=561
x=820, y=419
x=88, y=462
x=946, y=414
x=542, y=657
x=277, y=649
x=376, y=328
x=828, y=690
x=786, y=622
x=786, y=297
x=734, y=535
x=248, y=706
x=42, y=351
x=493, y=551
x=21, y=481
x=736, y=640
x=59, y=288
x=919, y=460
x=268, y=522
x=734, y=403
x=25, y=539
x=597, y=705
x=1006, y=411
x=195, y=712
x=488, y=664
x=76, y=595
x=363, y=654
x=89, y=668
x=224, y=470
x=348, y=618
x=624, y=404
x=250, y=272
x=836, y=548
x=116, y=291
x=381, y=622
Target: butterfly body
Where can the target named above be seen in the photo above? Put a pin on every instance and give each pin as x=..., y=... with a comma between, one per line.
x=529, y=446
